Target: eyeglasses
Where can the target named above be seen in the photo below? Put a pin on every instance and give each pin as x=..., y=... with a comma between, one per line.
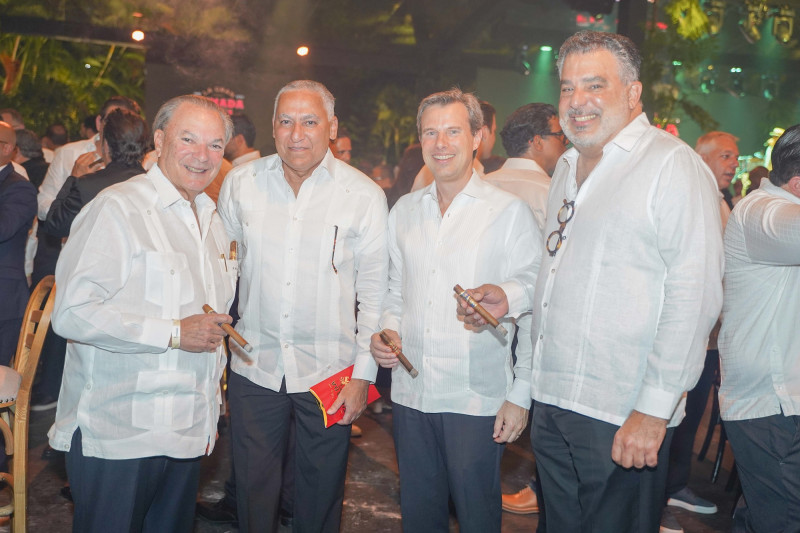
x=559, y=134
x=564, y=215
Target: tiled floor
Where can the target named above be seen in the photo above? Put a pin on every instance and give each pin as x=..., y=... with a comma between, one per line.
x=372, y=493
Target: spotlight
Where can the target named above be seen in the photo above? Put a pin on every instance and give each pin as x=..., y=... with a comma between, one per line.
x=137, y=34
x=715, y=11
x=755, y=10
x=783, y=24
x=520, y=61
x=302, y=51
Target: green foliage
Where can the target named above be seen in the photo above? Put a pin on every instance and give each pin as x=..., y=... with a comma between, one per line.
x=664, y=94
x=52, y=83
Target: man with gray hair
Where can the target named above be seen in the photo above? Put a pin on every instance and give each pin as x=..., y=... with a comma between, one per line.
x=30, y=156
x=312, y=235
x=629, y=289
x=140, y=397
x=451, y=421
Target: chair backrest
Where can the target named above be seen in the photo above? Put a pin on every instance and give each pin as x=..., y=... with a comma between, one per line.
x=35, y=324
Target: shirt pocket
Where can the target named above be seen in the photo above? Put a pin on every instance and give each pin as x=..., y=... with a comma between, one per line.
x=164, y=399
x=168, y=281
x=337, y=245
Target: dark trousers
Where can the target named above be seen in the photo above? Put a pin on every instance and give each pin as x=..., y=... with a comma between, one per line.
x=260, y=420
x=584, y=490
x=441, y=455
x=151, y=495
x=767, y=454
x=9, y=337
x=681, y=449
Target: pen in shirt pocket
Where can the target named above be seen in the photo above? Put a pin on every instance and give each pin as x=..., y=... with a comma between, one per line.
x=333, y=252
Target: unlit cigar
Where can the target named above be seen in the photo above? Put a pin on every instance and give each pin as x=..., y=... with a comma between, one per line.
x=233, y=250
x=230, y=331
x=487, y=316
x=399, y=353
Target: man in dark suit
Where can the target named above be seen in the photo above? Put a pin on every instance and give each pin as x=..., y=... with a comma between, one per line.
x=17, y=211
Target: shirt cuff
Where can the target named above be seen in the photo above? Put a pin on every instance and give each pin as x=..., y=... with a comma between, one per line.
x=365, y=368
x=656, y=402
x=156, y=332
x=520, y=393
x=515, y=294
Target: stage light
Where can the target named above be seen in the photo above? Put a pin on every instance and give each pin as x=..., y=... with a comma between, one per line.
x=546, y=48
x=755, y=11
x=137, y=34
x=302, y=51
x=715, y=11
x=520, y=61
x=783, y=24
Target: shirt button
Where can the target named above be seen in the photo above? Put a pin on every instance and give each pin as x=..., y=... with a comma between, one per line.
x=288, y=283
x=286, y=345
x=285, y=315
x=552, y=270
x=541, y=337
x=172, y=272
x=148, y=211
x=88, y=386
x=544, y=304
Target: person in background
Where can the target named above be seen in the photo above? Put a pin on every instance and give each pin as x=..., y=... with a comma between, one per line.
x=29, y=154
x=342, y=146
x=759, y=395
x=55, y=136
x=88, y=127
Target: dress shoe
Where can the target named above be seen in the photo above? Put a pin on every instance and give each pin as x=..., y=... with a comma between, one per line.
x=523, y=502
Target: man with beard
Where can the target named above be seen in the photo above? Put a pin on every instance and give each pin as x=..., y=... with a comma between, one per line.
x=629, y=289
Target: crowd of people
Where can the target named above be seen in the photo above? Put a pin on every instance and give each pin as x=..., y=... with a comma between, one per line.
x=625, y=280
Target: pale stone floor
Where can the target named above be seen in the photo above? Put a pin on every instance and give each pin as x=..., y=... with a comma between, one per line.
x=372, y=491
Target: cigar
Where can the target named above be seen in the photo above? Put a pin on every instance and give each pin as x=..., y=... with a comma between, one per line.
x=403, y=359
x=233, y=251
x=480, y=310
x=96, y=162
x=230, y=331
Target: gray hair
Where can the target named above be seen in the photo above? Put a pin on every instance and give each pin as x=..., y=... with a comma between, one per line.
x=29, y=144
x=328, y=100
x=707, y=142
x=453, y=96
x=583, y=42
x=166, y=111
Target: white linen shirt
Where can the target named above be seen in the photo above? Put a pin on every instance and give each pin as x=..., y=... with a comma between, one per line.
x=135, y=260
x=486, y=236
x=524, y=178
x=305, y=261
x=758, y=343
x=249, y=156
x=59, y=170
x=622, y=313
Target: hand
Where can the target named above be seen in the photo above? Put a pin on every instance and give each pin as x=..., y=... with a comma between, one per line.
x=354, y=399
x=637, y=442
x=85, y=164
x=201, y=333
x=491, y=297
x=510, y=422
x=382, y=354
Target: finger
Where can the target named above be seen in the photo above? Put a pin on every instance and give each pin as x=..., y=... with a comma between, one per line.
x=337, y=403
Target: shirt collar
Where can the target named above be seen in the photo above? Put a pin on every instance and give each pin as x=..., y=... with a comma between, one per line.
x=473, y=188
x=625, y=139
x=522, y=163
x=326, y=168
x=169, y=195
x=769, y=187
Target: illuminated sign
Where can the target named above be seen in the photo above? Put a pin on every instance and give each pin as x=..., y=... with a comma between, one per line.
x=225, y=98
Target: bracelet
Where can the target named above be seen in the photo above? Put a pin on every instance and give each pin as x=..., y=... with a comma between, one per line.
x=176, y=334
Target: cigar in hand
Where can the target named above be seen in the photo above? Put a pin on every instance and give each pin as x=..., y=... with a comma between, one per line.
x=230, y=331
x=399, y=353
x=486, y=315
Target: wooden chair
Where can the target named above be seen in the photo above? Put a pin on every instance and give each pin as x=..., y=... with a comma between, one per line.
x=14, y=413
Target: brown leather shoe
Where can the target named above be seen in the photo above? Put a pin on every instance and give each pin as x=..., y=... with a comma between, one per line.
x=355, y=431
x=523, y=502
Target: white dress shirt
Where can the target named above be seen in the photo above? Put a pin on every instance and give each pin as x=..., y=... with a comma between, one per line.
x=136, y=260
x=759, y=344
x=59, y=170
x=622, y=313
x=249, y=156
x=524, y=178
x=486, y=236
x=305, y=261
